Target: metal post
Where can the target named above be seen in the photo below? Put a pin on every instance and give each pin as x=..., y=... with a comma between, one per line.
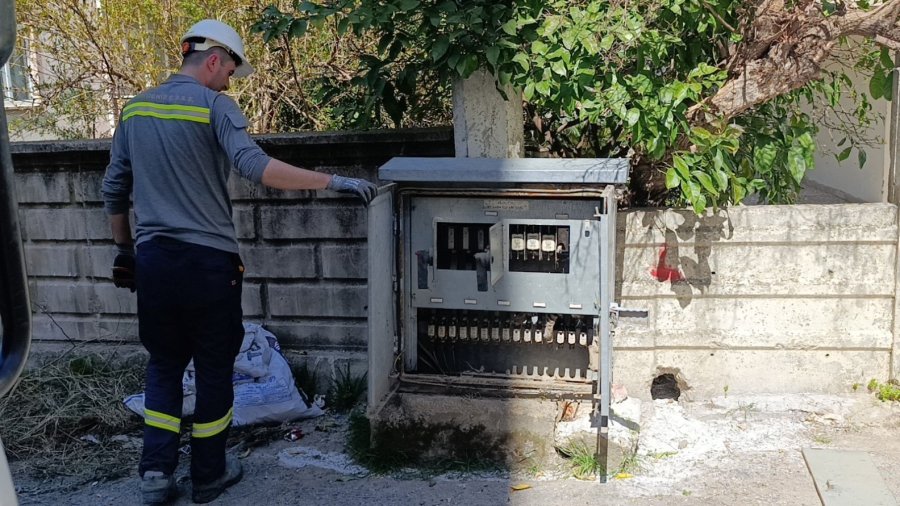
x=607, y=291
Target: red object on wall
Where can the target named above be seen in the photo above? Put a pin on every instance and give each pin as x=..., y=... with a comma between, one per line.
x=663, y=272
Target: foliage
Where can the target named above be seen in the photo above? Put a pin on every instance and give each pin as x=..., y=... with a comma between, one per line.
x=884, y=391
x=88, y=61
x=642, y=79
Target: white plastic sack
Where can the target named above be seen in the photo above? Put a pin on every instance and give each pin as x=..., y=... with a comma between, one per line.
x=256, y=352
x=270, y=397
x=252, y=360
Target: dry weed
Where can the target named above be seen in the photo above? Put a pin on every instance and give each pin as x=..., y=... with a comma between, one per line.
x=65, y=417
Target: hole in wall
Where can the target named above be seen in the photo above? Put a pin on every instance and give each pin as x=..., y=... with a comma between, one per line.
x=665, y=386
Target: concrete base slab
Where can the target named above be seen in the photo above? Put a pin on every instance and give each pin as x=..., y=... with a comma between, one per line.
x=845, y=478
x=518, y=433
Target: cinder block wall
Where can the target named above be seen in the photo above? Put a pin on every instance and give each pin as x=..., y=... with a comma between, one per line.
x=304, y=252
x=758, y=299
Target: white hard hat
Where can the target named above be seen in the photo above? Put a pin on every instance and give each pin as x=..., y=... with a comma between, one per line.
x=217, y=34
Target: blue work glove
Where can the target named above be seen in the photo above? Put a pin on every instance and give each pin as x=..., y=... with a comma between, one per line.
x=360, y=187
x=123, y=267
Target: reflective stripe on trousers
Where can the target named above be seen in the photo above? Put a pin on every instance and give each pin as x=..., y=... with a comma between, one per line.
x=162, y=421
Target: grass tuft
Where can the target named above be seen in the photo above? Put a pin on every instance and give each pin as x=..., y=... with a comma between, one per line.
x=347, y=389
x=306, y=379
x=583, y=459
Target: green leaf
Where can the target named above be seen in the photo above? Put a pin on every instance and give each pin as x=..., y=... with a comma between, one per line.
x=492, y=54
x=298, y=28
x=391, y=106
x=680, y=91
x=665, y=96
x=861, y=157
x=539, y=47
x=807, y=142
x=738, y=192
x=632, y=117
x=343, y=24
x=877, y=84
x=558, y=67
x=681, y=166
x=705, y=181
x=887, y=61
x=384, y=42
x=467, y=65
x=606, y=42
x=764, y=157
x=448, y=6
x=439, y=48
x=522, y=60
x=657, y=148
x=453, y=59
x=721, y=179
x=672, y=179
x=510, y=27
x=529, y=91
x=552, y=24
x=796, y=164
x=699, y=204
x=505, y=77
x=407, y=5
x=719, y=159
x=843, y=155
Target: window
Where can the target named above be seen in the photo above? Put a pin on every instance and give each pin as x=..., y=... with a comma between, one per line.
x=15, y=80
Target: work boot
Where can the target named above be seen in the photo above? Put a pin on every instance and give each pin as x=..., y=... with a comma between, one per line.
x=157, y=487
x=207, y=492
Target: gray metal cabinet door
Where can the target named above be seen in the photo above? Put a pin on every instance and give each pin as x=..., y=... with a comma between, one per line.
x=382, y=310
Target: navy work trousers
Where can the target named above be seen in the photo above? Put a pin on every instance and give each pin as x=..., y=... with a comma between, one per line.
x=189, y=307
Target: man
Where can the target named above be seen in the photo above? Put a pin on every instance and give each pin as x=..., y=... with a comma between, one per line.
x=173, y=149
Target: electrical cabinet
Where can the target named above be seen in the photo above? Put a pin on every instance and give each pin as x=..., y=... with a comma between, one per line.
x=494, y=277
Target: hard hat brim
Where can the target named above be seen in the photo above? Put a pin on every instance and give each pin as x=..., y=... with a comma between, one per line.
x=244, y=70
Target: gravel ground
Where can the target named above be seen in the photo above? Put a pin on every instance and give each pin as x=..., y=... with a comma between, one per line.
x=730, y=450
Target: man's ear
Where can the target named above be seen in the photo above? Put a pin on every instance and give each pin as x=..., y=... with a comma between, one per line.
x=211, y=61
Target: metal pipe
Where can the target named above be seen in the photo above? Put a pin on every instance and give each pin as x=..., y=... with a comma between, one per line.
x=15, y=306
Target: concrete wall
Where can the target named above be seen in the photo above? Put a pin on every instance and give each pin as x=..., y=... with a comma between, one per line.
x=758, y=299
x=755, y=299
x=304, y=251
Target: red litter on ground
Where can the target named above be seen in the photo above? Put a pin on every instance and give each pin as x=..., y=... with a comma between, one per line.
x=293, y=435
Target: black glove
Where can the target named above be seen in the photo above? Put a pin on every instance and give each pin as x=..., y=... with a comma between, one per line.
x=123, y=267
x=360, y=187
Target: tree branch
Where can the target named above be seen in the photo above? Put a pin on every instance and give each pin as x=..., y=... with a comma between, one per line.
x=786, y=48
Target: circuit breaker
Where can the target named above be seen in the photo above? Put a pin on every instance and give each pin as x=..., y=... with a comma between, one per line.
x=493, y=276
